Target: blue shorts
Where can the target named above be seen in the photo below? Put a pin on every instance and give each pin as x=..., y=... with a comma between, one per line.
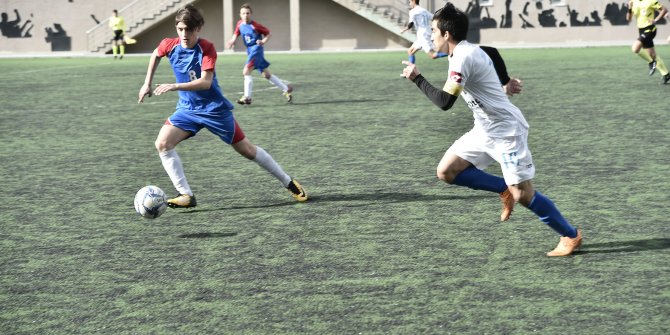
x=256, y=60
x=221, y=123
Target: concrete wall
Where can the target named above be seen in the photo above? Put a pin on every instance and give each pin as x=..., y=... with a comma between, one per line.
x=60, y=25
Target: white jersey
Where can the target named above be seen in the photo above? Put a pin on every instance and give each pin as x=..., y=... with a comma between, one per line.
x=421, y=18
x=471, y=73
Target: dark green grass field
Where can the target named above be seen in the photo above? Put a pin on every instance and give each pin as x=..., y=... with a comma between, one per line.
x=383, y=247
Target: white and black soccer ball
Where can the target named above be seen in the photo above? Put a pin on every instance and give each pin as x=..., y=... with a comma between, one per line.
x=150, y=202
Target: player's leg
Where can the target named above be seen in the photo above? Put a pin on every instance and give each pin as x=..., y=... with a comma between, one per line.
x=641, y=48
x=122, y=47
x=257, y=154
x=168, y=138
x=546, y=210
x=245, y=99
x=411, y=57
x=463, y=165
x=287, y=89
x=115, y=46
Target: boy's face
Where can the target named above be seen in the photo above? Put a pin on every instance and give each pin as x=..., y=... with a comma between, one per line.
x=439, y=41
x=245, y=15
x=187, y=37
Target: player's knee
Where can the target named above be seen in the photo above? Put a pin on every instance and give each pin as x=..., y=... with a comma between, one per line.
x=162, y=145
x=445, y=175
x=266, y=75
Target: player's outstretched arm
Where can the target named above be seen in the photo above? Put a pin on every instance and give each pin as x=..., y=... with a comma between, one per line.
x=439, y=97
x=231, y=43
x=145, y=90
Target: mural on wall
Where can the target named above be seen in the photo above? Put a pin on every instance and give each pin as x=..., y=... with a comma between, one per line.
x=14, y=28
x=538, y=16
x=58, y=38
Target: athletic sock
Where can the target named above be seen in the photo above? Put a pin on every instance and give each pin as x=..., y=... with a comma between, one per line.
x=270, y=165
x=412, y=59
x=544, y=208
x=248, y=85
x=660, y=65
x=645, y=55
x=477, y=179
x=115, y=50
x=173, y=167
x=277, y=82
x=122, y=48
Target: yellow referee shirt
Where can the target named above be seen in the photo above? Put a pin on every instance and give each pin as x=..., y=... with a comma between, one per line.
x=644, y=11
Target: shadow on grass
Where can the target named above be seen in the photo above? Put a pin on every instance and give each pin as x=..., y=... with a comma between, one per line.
x=389, y=197
x=207, y=235
x=626, y=246
x=366, y=199
x=337, y=102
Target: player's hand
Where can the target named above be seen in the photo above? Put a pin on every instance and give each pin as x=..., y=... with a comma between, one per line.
x=230, y=44
x=513, y=87
x=144, y=91
x=410, y=71
x=162, y=88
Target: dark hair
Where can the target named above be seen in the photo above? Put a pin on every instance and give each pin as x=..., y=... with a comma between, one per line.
x=416, y=2
x=190, y=16
x=450, y=19
x=247, y=6
x=115, y=11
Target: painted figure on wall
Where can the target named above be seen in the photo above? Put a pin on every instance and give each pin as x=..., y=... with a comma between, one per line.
x=14, y=29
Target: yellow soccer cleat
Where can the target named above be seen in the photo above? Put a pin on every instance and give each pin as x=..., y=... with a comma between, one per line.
x=182, y=201
x=566, y=246
x=244, y=101
x=507, y=205
x=288, y=94
x=297, y=191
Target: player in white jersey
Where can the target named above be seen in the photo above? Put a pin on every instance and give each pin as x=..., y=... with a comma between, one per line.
x=500, y=132
x=420, y=18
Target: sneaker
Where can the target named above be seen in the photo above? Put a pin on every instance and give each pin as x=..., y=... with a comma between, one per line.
x=182, y=201
x=507, y=205
x=297, y=191
x=652, y=67
x=566, y=246
x=244, y=100
x=666, y=78
x=288, y=95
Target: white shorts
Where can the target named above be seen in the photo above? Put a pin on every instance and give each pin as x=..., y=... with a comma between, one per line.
x=422, y=44
x=511, y=153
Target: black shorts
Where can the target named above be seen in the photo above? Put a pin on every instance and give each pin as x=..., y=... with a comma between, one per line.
x=647, y=35
x=118, y=35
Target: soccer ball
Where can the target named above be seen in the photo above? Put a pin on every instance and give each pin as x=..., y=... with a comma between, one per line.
x=150, y=202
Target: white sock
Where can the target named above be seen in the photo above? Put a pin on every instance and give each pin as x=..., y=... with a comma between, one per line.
x=277, y=82
x=173, y=167
x=268, y=163
x=248, y=85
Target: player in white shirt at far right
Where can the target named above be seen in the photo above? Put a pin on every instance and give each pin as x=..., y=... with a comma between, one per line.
x=420, y=18
x=500, y=132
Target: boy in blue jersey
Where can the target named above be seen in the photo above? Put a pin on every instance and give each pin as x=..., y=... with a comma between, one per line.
x=254, y=35
x=201, y=105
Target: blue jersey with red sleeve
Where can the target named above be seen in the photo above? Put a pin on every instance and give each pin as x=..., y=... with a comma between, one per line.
x=251, y=32
x=188, y=65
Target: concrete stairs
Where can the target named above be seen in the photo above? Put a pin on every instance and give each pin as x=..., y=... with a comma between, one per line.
x=138, y=15
x=391, y=15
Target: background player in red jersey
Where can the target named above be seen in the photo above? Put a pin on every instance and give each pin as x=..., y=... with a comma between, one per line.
x=201, y=105
x=254, y=35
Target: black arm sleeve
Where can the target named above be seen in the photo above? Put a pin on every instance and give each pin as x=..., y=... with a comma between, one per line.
x=439, y=97
x=410, y=25
x=498, y=64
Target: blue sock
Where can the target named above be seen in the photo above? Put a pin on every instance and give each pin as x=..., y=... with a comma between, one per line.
x=412, y=59
x=477, y=179
x=549, y=214
x=440, y=54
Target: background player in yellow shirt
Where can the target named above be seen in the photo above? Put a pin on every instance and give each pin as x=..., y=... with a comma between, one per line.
x=645, y=12
x=118, y=26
